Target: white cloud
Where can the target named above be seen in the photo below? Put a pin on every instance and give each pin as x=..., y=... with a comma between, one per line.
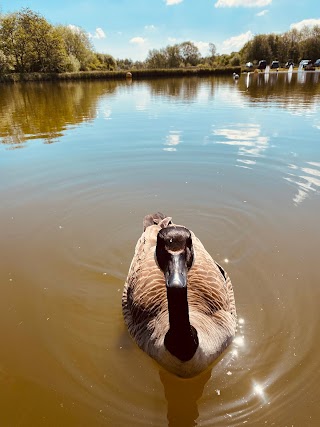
x=150, y=27
x=99, y=34
x=242, y=3
x=138, y=40
x=202, y=46
x=172, y=2
x=234, y=44
x=172, y=40
x=262, y=13
x=305, y=23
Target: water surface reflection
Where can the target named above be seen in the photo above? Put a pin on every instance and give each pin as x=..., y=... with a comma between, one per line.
x=182, y=397
x=45, y=110
x=238, y=164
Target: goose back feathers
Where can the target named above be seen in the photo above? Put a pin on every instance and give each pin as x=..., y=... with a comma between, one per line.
x=178, y=303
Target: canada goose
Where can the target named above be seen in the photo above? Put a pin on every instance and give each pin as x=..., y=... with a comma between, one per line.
x=178, y=303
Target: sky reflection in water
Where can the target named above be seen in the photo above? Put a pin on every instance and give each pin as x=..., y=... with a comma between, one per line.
x=238, y=163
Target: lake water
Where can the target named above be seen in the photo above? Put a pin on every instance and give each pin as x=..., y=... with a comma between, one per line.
x=81, y=163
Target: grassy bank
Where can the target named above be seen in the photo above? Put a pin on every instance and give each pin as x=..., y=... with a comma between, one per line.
x=136, y=74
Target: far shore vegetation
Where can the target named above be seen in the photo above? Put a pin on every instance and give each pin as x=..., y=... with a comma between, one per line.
x=33, y=49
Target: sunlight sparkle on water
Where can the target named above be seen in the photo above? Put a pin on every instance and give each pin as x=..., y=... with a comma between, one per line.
x=239, y=341
x=258, y=389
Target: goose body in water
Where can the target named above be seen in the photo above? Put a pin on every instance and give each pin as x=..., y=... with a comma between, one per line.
x=178, y=303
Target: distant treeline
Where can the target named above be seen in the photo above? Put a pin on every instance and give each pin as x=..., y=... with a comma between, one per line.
x=30, y=44
x=295, y=45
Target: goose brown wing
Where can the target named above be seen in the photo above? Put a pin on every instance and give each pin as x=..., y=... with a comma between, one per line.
x=209, y=286
x=144, y=293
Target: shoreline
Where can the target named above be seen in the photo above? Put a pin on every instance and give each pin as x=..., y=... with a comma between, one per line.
x=117, y=75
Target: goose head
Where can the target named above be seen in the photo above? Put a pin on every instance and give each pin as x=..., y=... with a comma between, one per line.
x=174, y=254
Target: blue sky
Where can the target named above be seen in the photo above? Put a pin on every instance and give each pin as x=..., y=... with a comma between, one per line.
x=129, y=29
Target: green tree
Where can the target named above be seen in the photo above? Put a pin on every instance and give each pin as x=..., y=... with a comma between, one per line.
x=47, y=52
x=34, y=44
x=189, y=53
x=235, y=59
x=210, y=59
x=6, y=63
x=72, y=65
x=157, y=59
x=291, y=39
x=106, y=61
x=273, y=41
x=212, y=50
x=14, y=41
x=293, y=44
x=174, y=59
x=222, y=60
x=309, y=47
x=124, y=64
x=77, y=43
x=258, y=48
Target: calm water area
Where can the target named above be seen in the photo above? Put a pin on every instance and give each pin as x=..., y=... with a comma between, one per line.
x=81, y=163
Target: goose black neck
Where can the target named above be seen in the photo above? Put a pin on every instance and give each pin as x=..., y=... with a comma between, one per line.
x=182, y=339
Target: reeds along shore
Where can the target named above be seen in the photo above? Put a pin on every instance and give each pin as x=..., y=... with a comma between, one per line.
x=136, y=74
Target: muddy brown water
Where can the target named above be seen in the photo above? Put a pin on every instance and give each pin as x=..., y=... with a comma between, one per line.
x=80, y=165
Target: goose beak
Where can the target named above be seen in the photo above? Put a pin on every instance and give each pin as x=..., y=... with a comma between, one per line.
x=176, y=274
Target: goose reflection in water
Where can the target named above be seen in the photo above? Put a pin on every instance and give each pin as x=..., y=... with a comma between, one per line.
x=182, y=396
